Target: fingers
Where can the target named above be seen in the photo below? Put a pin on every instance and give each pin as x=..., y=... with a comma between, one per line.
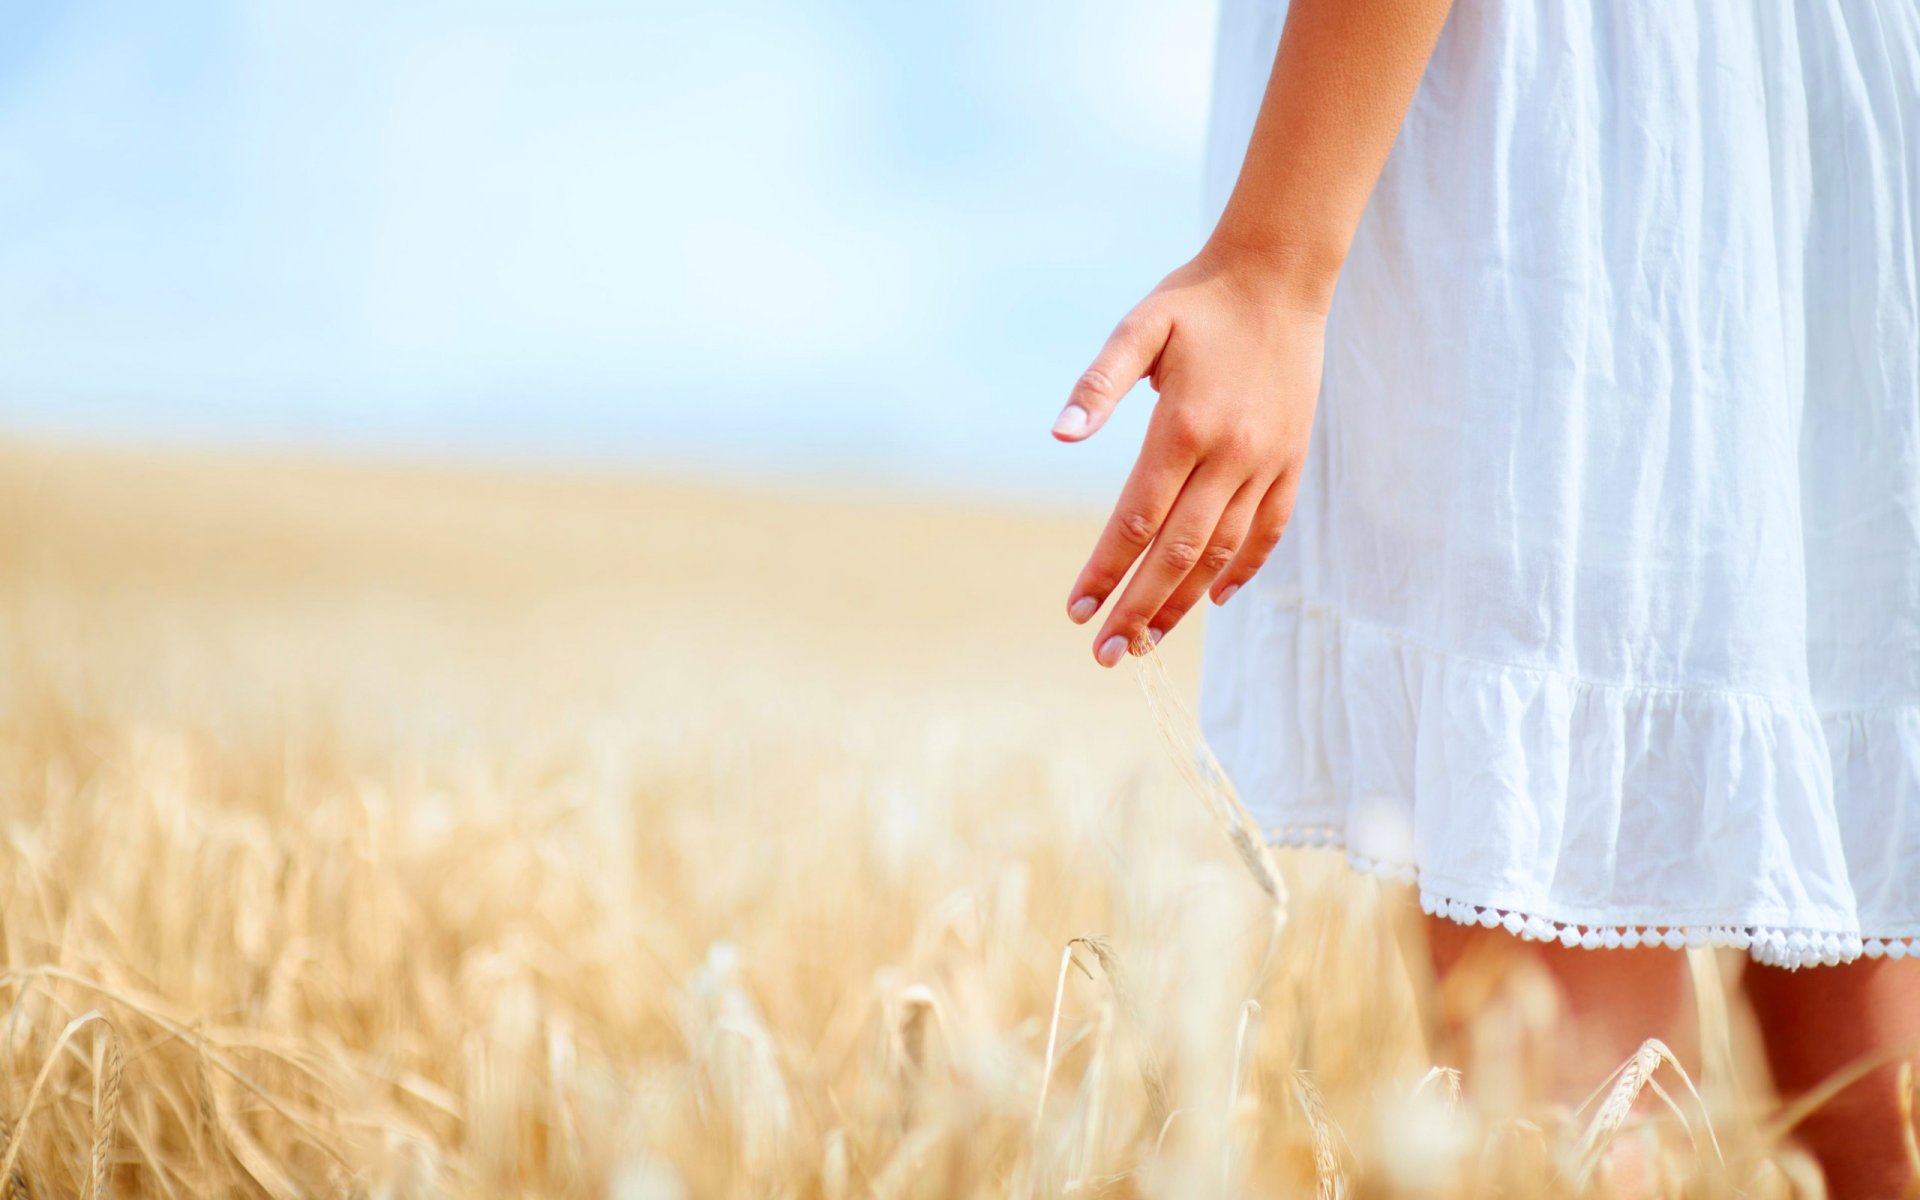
x=1180, y=548
x=1212, y=539
x=1269, y=522
x=1222, y=548
x=1125, y=360
x=1151, y=489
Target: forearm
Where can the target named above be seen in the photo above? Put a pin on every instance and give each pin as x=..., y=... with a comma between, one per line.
x=1233, y=340
x=1342, y=80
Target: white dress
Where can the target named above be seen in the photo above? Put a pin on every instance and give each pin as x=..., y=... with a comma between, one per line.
x=1599, y=613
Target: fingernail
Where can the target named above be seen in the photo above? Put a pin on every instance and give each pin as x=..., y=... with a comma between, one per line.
x=1111, y=650
x=1154, y=636
x=1072, y=421
x=1082, y=608
x=1226, y=593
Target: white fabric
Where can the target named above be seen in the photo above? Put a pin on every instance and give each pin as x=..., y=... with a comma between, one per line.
x=1600, y=605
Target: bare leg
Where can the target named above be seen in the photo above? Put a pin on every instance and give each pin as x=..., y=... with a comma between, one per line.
x=1817, y=1021
x=1610, y=1001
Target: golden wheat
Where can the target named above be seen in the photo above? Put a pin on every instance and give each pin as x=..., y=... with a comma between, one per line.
x=392, y=832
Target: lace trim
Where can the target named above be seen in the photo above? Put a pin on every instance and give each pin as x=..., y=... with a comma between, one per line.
x=1773, y=946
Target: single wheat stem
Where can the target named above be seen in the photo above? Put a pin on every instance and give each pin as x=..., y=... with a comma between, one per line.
x=258, y=1165
x=835, y=1175
x=1242, y=1038
x=1629, y=1080
x=1326, y=1160
x=1053, y=1033
x=1908, y=1140
x=919, y=1009
x=16, y=1187
x=1833, y=1085
x=1197, y=765
x=1160, y=1139
x=106, y=1110
x=1449, y=1080
x=1093, y=1088
x=1152, y=1075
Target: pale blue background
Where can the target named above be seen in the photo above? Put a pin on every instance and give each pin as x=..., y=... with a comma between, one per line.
x=866, y=241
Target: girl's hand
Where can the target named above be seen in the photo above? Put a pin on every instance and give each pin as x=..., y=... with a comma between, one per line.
x=1236, y=361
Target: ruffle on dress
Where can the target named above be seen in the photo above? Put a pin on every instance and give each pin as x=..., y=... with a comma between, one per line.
x=1542, y=800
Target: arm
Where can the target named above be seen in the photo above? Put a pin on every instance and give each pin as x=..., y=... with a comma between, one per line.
x=1232, y=339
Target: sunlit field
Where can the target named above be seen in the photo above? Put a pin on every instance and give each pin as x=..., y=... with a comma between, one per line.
x=390, y=831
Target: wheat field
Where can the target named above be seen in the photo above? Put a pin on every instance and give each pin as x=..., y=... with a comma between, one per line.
x=391, y=831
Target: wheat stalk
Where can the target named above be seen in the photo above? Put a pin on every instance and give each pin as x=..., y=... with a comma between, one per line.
x=304, y=858
x=11, y=1159
x=918, y=1019
x=1242, y=1044
x=1326, y=1159
x=1152, y=1075
x=106, y=1109
x=1092, y=1090
x=17, y=1187
x=1627, y=1082
x=1203, y=773
x=1448, y=1078
x=1777, y=1128
x=1053, y=1034
x=1908, y=1139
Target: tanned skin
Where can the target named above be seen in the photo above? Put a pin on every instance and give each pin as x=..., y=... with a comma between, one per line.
x=1232, y=340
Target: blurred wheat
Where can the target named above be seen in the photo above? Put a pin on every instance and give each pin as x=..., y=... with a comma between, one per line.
x=386, y=833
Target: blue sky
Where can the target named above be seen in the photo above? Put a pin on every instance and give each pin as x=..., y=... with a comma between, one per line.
x=857, y=240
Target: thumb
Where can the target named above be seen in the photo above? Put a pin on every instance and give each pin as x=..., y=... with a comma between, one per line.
x=1129, y=355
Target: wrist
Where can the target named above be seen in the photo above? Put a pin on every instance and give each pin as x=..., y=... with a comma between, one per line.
x=1287, y=272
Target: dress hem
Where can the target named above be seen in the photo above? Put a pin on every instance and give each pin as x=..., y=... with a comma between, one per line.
x=1554, y=805
x=1777, y=946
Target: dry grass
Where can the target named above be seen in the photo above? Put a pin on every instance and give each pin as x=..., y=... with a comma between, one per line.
x=398, y=833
